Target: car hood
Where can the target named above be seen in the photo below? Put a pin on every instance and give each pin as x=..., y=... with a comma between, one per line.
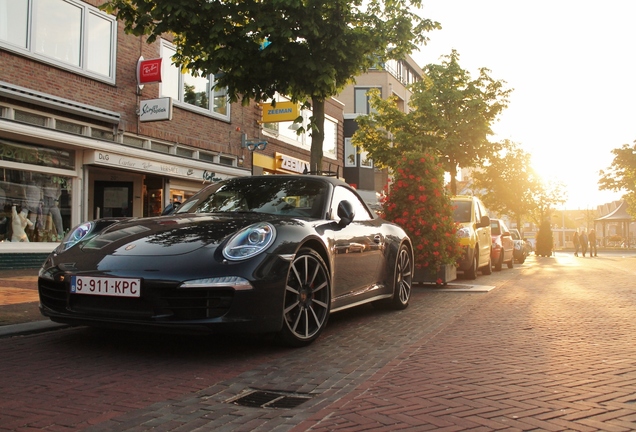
x=167, y=235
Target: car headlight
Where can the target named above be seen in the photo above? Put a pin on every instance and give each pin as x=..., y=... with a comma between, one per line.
x=463, y=233
x=249, y=241
x=75, y=235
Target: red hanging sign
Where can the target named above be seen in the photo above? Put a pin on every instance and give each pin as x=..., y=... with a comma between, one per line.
x=148, y=71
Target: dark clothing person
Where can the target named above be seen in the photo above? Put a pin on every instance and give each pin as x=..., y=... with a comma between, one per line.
x=584, y=242
x=577, y=244
x=592, y=238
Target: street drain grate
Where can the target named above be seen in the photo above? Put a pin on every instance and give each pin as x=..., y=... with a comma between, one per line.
x=270, y=399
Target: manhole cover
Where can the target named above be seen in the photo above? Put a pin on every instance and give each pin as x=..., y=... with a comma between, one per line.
x=270, y=399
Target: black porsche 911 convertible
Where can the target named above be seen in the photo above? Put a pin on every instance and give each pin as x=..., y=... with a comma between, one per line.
x=267, y=254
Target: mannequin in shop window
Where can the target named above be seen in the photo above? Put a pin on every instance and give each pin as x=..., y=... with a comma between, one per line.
x=52, y=193
x=19, y=223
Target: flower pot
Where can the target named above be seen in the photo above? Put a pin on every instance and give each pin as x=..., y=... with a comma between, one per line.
x=447, y=273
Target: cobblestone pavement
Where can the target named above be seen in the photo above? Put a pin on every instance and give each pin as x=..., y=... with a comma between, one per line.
x=550, y=348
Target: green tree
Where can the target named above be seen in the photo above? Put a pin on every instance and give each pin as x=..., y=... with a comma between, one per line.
x=546, y=197
x=308, y=50
x=451, y=113
x=507, y=182
x=621, y=175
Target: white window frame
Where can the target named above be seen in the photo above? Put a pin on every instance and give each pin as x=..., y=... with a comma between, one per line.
x=168, y=67
x=84, y=49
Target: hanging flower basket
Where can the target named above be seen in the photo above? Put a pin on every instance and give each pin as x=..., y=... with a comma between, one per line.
x=447, y=273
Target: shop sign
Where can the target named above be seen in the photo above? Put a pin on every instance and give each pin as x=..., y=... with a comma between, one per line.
x=149, y=166
x=148, y=71
x=155, y=109
x=283, y=111
x=288, y=163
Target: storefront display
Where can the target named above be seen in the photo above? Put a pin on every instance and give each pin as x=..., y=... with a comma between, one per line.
x=34, y=206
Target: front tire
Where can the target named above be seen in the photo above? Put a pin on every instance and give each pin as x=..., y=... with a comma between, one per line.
x=499, y=264
x=307, y=300
x=402, y=279
x=471, y=273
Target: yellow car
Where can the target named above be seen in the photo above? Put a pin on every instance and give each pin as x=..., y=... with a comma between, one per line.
x=474, y=234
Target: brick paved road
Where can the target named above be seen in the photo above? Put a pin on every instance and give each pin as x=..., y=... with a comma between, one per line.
x=551, y=348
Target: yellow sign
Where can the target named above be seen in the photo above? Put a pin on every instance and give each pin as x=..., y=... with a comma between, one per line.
x=283, y=111
x=290, y=164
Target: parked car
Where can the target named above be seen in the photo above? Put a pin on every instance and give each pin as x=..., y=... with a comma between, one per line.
x=521, y=250
x=263, y=254
x=502, y=245
x=474, y=235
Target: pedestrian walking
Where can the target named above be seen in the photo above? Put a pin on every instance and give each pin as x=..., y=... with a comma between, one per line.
x=577, y=243
x=584, y=242
x=592, y=238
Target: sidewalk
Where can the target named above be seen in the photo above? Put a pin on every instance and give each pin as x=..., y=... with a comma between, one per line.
x=19, y=312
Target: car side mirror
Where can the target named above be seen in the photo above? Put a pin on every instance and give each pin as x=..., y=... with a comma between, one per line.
x=485, y=221
x=346, y=213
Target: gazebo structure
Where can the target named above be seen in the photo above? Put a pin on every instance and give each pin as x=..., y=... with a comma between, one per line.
x=618, y=217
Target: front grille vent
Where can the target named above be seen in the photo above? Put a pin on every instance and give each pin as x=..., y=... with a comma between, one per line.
x=269, y=399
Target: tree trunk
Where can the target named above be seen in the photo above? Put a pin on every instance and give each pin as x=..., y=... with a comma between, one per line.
x=453, y=179
x=317, y=135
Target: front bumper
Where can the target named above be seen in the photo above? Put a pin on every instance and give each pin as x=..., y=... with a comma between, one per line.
x=166, y=306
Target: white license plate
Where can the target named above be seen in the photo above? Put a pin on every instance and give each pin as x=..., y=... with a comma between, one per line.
x=105, y=286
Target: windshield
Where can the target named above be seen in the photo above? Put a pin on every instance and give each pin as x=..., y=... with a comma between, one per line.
x=462, y=210
x=275, y=195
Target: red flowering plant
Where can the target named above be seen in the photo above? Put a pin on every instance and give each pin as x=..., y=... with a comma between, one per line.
x=418, y=201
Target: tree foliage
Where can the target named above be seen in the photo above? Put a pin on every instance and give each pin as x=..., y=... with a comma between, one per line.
x=308, y=50
x=451, y=114
x=507, y=182
x=621, y=175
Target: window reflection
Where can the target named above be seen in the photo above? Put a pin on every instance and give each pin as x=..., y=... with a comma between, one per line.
x=34, y=207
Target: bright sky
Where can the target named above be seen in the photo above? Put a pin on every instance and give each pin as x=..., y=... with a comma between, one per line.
x=572, y=65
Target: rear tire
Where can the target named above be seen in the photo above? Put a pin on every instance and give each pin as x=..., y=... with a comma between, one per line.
x=511, y=263
x=499, y=264
x=488, y=269
x=402, y=279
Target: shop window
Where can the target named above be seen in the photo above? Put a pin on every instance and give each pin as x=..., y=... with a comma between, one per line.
x=69, y=127
x=160, y=147
x=351, y=154
x=50, y=157
x=28, y=117
x=197, y=93
x=185, y=152
x=67, y=33
x=34, y=207
x=365, y=160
